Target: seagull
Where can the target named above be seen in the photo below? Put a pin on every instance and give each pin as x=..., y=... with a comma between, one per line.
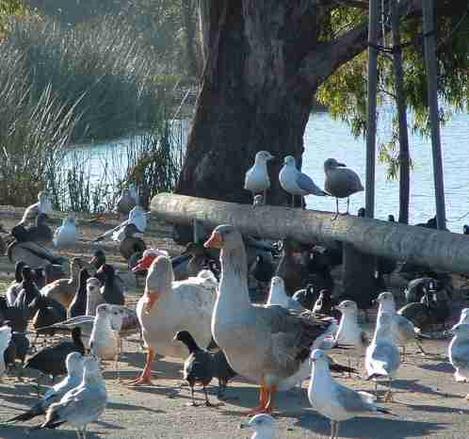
x=458, y=352
x=74, y=365
x=403, y=329
x=83, y=404
x=340, y=182
x=133, y=227
x=295, y=182
x=278, y=296
x=43, y=205
x=264, y=426
x=257, y=179
x=5, y=338
x=350, y=333
x=333, y=400
x=67, y=234
x=382, y=358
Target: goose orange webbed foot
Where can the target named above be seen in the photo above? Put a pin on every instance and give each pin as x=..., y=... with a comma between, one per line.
x=141, y=381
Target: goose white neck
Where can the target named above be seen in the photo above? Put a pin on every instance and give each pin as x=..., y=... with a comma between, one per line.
x=234, y=281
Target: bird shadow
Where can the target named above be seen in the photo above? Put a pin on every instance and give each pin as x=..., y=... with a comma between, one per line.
x=164, y=368
x=364, y=427
x=415, y=386
x=438, y=367
x=12, y=432
x=131, y=407
x=436, y=409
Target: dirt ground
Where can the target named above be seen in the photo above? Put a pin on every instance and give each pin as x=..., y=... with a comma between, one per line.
x=428, y=402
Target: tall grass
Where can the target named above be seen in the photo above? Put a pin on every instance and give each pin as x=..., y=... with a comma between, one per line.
x=60, y=86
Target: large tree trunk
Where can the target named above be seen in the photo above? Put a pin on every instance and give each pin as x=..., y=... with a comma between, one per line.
x=264, y=64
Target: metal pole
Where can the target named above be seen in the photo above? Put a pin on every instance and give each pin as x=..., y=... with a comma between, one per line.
x=373, y=32
x=432, y=90
x=404, y=158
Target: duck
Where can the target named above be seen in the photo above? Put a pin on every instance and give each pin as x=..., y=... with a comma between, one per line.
x=28, y=292
x=292, y=267
x=40, y=232
x=33, y=254
x=16, y=317
x=415, y=289
x=198, y=367
x=265, y=344
x=113, y=288
x=126, y=202
x=63, y=290
x=325, y=304
x=78, y=305
x=5, y=338
x=306, y=297
x=43, y=205
x=278, y=296
x=81, y=405
x=191, y=261
x=403, y=329
x=169, y=306
x=74, y=367
x=263, y=268
x=296, y=183
x=67, y=234
x=22, y=345
x=433, y=309
x=15, y=287
x=130, y=246
x=98, y=259
x=256, y=179
x=46, y=312
x=51, y=360
x=93, y=296
x=334, y=400
x=341, y=182
x=211, y=362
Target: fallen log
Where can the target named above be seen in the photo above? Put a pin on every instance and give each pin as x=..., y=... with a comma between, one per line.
x=440, y=250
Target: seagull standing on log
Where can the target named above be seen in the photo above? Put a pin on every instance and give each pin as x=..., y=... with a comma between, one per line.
x=295, y=182
x=257, y=179
x=341, y=182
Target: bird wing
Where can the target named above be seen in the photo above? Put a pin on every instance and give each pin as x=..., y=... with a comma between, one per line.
x=306, y=184
x=292, y=334
x=384, y=359
x=459, y=354
x=350, y=400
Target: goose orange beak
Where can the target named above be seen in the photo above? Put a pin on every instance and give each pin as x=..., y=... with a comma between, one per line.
x=144, y=263
x=215, y=241
x=152, y=299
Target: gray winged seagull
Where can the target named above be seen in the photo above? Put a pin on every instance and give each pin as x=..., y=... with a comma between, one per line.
x=257, y=179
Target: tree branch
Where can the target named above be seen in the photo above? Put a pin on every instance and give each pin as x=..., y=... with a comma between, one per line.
x=326, y=58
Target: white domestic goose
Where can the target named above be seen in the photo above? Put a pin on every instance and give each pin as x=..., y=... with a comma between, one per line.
x=167, y=307
x=265, y=344
x=67, y=234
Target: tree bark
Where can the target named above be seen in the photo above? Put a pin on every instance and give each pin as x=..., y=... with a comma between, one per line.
x=404, y=155
x=188, y=16
x=417, y=245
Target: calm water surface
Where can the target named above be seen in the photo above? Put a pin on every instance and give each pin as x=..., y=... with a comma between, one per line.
x=326, y=137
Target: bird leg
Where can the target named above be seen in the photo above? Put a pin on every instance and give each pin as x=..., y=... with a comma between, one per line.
x=420, y=347
x=336, y=209
x=292, y=201
x=116, y=366
x=145, y=377
x=263, y=401
x=389, y=396
x=270, y=404
x=264, y=199
x=333, y=429
x=193, y=403
x=207, y=402
x=348, y=205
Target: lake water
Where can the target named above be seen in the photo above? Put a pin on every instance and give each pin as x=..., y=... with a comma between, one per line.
x=326, y=137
